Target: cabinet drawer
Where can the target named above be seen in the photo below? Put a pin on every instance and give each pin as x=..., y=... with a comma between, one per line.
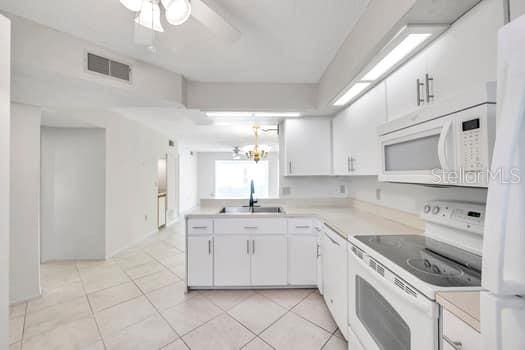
x=200, y=226
x=459, y=334
x=300, y=226
x=250, y=226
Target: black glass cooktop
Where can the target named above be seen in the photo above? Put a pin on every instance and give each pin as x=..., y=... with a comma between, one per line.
x=429, y=260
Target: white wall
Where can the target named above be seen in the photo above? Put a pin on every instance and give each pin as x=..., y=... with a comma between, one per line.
x=206, y=173
x=25, y=203
x=73, y=194
x=5, y=82
x=188, y=180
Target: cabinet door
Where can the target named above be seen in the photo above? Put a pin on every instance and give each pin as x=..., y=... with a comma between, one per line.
x=402, y=87
x=269, y=262
x=161, y=215
x=356, y=150
x=335, y=279
x=200, y=261
x=232, y=260
x=308, y=146
x=302, y=260
x=465, y=56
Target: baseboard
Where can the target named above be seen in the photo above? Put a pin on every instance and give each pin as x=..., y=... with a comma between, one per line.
x=26, y=298
x=133, y=243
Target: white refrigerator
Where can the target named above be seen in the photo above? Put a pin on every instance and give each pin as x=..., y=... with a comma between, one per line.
x=503, y=275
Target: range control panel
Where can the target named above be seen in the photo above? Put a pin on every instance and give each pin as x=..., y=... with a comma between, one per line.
x=472, y=145
x=462, y=215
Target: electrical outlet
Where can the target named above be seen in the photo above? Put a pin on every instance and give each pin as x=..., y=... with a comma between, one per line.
x=145, y=217
x=378, y=194
x=342, y=189
x=286, y=191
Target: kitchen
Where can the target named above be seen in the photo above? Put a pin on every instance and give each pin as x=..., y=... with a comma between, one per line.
x=366, y=198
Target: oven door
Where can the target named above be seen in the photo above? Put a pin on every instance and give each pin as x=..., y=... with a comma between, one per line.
x=419, y=154
x=384, y=312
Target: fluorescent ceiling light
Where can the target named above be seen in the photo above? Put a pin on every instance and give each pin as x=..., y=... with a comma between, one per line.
x=409, y=44
x=277, y=114
x=355, y=90
x=253, y=114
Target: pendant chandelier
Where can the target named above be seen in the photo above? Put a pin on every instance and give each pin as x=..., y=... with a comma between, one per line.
x=256, y=152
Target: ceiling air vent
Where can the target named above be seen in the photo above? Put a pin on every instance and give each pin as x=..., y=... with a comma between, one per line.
x=102, y=65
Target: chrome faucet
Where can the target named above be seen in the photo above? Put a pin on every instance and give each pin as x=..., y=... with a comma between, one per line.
x=252, y=191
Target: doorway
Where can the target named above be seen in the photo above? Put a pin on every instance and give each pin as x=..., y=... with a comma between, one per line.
x=162, y=191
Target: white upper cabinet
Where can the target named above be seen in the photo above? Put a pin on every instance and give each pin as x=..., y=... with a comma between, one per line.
x=463, y=57
x=307, y=146
x=406, y=87
x=355, y=147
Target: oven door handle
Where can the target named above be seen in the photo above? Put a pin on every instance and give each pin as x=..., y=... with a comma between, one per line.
x=419, y=301
x=442, y=145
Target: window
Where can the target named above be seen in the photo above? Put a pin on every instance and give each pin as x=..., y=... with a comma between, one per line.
x=232, y=178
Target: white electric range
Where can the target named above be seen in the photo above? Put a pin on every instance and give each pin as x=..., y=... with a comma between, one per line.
x=393, y=279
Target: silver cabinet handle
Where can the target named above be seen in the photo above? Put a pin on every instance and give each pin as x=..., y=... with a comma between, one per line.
x=429, y=79
x=351, y=161
x=247, y=246
x=348, y=164
x=209, y=246
x=419, y=84
x=456, y=345
x=302, y=226
x=199, y=227
x=318, y=254
x=289, y=167
x=251, y=227
x=253, y=246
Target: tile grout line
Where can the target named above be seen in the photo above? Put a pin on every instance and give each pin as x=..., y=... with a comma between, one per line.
x=90, y=307
x=24, y=325
x=159, y=314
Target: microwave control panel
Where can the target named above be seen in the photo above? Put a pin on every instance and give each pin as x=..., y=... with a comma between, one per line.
x=471, y=139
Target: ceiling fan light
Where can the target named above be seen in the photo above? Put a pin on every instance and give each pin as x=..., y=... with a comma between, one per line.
x=177, y=11
x=149, y=16
x=132, y=5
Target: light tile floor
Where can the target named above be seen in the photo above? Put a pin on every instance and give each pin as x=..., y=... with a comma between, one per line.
x=137, y=300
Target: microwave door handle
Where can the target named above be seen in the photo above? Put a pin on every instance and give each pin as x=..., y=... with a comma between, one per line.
x=442, y=145
x=497, y=227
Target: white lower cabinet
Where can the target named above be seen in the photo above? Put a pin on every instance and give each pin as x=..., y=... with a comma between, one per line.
x=335, y=289
x=302, y=260
x=200, y=261
x=458, y=335
x=268, y=256
x=232, y=260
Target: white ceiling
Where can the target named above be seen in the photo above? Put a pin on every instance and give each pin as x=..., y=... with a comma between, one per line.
x=289, y=41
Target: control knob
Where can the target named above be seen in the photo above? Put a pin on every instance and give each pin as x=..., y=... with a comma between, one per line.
x=436, y=210
x=426, y=208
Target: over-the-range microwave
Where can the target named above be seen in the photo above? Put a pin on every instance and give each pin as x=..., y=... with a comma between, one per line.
x=448, y=143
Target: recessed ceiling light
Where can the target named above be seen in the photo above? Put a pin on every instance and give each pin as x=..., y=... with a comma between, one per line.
x=409, y=44
x=355, y=90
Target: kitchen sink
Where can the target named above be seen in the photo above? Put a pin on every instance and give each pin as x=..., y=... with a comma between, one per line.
x=240, y=210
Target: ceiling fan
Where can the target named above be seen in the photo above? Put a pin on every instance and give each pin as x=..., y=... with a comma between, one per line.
x=176, y=12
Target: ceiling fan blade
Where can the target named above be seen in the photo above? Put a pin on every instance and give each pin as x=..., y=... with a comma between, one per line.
x=213, y=21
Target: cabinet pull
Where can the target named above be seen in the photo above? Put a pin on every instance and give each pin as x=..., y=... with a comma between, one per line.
x=289, y=167
x=429, y=79
x=251, y=227
x=199, y=227
x=419, y=84
x=351, y=161
x=456, y=345
x=302, y=226
x=318, y=255
x=247, y=246
x=209, y=246
x=253, y=246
